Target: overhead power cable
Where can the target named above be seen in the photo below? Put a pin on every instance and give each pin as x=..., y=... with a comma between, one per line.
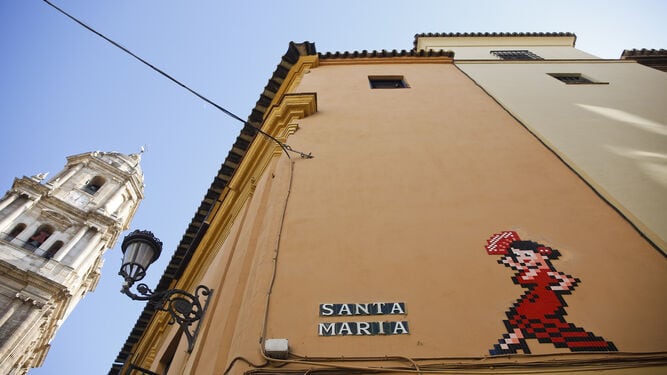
x=282, y=145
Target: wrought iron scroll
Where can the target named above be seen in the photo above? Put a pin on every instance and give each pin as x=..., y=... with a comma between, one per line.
x=184, y=308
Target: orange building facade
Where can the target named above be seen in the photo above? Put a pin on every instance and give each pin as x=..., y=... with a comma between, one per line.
x=428, y=231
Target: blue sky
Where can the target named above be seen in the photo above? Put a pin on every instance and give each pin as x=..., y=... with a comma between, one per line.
x=65, y=91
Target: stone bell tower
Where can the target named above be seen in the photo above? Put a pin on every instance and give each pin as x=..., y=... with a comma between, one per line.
x=52, y=237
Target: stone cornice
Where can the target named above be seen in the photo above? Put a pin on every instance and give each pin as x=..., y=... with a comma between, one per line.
x=60, y=221
x=35, y=280
x=63, y=213
x=29, y=187
x=30, y=299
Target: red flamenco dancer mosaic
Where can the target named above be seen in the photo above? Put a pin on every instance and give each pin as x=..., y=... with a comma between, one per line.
x=539, y=313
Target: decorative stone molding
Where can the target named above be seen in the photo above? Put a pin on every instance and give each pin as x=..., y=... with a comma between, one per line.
x=59, y=221
x=28, y=299
x=253, y=185
x=281, y=120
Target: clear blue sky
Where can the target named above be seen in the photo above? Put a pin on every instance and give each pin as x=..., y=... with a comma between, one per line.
x=65, y=91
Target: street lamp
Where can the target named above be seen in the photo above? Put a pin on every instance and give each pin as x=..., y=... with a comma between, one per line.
x=140, y=249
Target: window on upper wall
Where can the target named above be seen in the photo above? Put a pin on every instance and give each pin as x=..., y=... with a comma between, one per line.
x=15, y=231
x=53, y=250
x=94, y=184
x=519, y=54
x=41, y=234
x=387, y=82
x=574, y=79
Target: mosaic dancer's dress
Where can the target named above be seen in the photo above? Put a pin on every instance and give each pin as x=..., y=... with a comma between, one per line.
x=539, y=313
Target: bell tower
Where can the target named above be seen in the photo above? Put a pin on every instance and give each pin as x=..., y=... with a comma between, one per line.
x=52, y=237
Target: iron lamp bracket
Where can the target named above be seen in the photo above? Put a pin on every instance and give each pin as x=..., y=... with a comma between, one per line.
x=186, y=309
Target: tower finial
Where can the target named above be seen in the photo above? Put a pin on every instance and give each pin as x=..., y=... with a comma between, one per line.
x=40, y=176
x=137, y=156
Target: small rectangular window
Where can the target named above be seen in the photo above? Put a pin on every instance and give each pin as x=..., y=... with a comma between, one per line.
x=520, y=54
x=387, y=82
x=574, y=79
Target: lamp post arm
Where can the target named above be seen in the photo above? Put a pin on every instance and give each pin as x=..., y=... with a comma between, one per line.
x=145, y=293
x=183, y=307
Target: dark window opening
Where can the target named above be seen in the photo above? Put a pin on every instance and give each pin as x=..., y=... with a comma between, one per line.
x=573, y=78
x=37, y=239
x=387, y=82
x=94, y=185
x=520, y=54
x=16, y=231
x=53, y=249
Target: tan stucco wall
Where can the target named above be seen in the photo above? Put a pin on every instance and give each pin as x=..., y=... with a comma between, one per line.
x=404, y=189
x=614, y=134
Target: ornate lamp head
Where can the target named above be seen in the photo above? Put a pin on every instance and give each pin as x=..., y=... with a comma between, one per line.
x=140, y=249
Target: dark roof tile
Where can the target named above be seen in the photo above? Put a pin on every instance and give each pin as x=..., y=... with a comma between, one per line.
x=644, y=52
x=384, y=53
x=654, y=58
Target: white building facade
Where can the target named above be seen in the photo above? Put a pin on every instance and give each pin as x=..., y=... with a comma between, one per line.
x=52, y=237
x=606, y=119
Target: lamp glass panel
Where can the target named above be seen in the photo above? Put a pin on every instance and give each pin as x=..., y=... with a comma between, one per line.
x=140, y=253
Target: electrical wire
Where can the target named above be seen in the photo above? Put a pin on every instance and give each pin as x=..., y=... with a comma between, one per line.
x=285, y=147
x=555, y=366
x=275, y=257
x=272, y=282
x=324, y=362
x=545, y=363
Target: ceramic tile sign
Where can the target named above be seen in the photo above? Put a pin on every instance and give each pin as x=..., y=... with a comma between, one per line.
x=366, y=327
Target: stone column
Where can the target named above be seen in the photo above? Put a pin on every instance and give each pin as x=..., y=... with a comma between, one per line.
x=124, y=209
x=29, y=230
x=70, y=244
x=61, y=180
x=9, y=198
x=11, y=217
x=33, y=312
x=92, y=245
x=114, y=201
x=90, y=260
x=10, y=311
